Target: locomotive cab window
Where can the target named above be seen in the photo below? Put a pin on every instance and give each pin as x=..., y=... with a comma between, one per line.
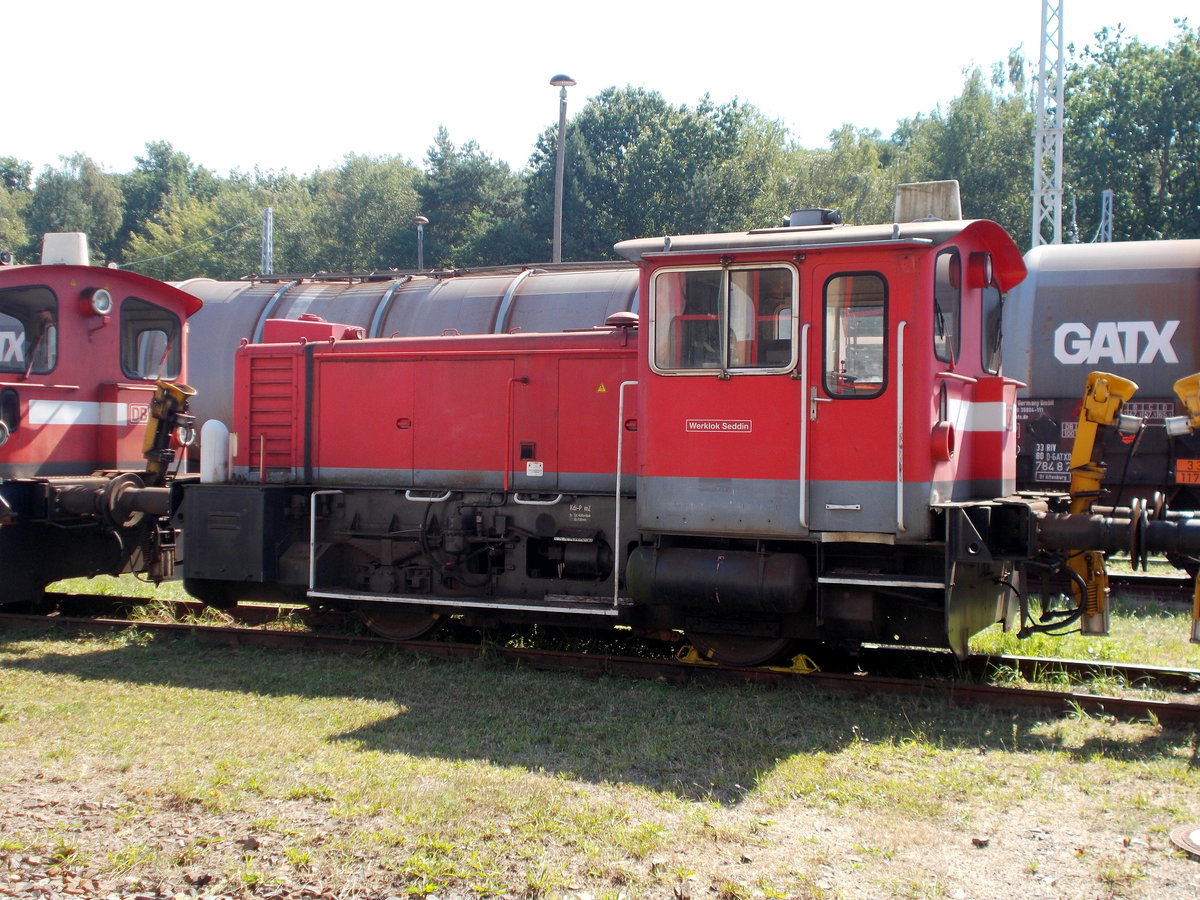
x=947, y=305
x=28, y=330
x=723, y=319
x=855, y=323
x=150, y=341
x=993, y=314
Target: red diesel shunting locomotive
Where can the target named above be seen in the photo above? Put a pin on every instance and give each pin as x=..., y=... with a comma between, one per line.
x=89, y=357
x=804, y=436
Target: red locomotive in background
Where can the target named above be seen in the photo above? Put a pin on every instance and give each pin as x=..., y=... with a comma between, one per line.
x=802, y=434
x=89, y=358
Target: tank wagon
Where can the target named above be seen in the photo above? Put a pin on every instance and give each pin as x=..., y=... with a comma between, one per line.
x=802, y=435
x=497, y=300
x=1129, y=308
x=92, y=362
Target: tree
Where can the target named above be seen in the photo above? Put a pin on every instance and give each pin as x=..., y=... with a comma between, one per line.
x=221, y=237
x=14, y=204
x=850, y=176
x=638, y=166
x=15, y=175
x=473, y=203
x=1132, y=115
x=362, y=218
x=983, y=140
x=162, y=177
x=78, y=196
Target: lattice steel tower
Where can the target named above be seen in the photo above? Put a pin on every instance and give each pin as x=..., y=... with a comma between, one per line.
x=1048, y=135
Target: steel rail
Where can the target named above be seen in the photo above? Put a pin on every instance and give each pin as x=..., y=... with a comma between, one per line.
x=858, y=684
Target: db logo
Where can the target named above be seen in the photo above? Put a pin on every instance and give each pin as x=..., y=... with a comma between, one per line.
x=139, y=413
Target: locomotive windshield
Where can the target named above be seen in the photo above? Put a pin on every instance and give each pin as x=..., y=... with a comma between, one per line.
x=719, y=319
x=150, y=341
x=28, y=333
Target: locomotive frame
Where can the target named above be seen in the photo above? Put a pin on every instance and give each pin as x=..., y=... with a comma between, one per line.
x=723, y=504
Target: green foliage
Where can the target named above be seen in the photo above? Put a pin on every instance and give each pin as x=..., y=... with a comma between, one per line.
x=78, y=196
x=14, y=236
x=982, y=139
x=362, y=218
x=15, y=175
x=476, y=201
x=637, y=166
x=1133, y=114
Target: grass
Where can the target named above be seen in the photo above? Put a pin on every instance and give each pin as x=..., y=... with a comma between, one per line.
x=387, y=774
x=1141, y=631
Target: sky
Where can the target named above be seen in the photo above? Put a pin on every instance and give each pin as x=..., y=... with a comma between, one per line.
x=298, y=86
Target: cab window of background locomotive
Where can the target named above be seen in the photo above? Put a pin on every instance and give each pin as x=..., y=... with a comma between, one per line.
x=993, y=308
x=687, y=319
x=28, y=330
x=149, y=341
x=855, y=349
x=947, y=305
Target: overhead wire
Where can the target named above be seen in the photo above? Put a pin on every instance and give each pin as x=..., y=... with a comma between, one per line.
x=211, y=237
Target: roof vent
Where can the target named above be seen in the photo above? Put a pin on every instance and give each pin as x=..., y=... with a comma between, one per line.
x=806, y=218
x=65, y=248
x=926, y=201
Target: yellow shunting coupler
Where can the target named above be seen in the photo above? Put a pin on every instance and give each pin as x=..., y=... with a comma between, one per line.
x=1104, y=396
x=1188, y=391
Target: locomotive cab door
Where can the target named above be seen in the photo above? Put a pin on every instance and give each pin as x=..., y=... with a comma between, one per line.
x=852, y=448
x=721, y=401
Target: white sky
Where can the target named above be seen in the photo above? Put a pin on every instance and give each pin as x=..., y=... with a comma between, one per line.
x=298, y=85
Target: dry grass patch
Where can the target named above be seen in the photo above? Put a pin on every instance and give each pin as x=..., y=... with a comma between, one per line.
x=181, y=768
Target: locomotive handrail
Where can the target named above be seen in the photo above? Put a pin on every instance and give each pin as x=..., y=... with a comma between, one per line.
x=803, y=248
x=414, y=497
x=956, y=377
x=554, y=501
x=617, y=496
x=900, y=526
x=803, y=502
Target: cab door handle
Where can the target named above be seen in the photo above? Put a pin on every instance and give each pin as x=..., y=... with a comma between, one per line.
x=814, y=400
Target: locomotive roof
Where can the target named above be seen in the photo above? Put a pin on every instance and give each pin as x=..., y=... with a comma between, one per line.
x=100, y=276
x=1008, y=265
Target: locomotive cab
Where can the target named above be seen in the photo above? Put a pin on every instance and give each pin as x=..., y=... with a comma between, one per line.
x=82, y=352
x=838, y=433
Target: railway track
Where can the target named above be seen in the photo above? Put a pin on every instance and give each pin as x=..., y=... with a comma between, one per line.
x=874, y=672
x=1153, y=586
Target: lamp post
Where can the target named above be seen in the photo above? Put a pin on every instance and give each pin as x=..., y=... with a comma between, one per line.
x=420, y=222
x=562, y=82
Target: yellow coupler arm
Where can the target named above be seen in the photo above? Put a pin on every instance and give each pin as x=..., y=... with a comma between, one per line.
x=1188, y=391
x=167, y=412
x=1104, y=396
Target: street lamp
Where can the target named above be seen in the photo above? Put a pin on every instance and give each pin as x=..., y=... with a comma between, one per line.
x=420, y=222
x=562, y=82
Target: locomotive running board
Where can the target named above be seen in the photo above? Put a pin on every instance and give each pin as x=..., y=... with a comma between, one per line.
x=560, y=603
x=935, y=584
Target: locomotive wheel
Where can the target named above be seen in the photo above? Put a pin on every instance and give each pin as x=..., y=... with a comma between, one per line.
x=397, y=622
x=739, y=649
